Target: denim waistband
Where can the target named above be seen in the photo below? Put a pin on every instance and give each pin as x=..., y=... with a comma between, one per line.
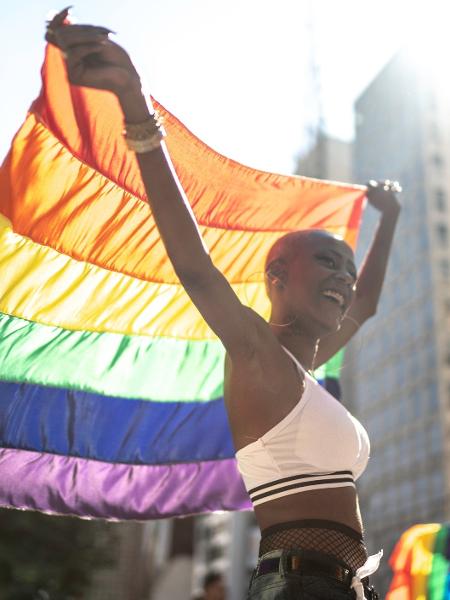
x=313, y=524
x=282, y=555
x=359, y=587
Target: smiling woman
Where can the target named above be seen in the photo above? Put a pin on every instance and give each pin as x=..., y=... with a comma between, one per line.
x=302, y=249
x=298, y=449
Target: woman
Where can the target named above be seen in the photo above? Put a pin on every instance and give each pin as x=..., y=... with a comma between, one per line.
x=298, y=449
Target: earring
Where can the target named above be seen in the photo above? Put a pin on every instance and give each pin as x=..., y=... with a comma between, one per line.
x=276, y=281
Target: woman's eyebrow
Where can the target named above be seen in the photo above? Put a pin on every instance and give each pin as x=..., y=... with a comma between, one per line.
x=336, y=253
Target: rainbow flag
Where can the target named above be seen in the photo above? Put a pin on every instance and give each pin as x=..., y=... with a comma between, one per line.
x=111, y=392
x=420, y=563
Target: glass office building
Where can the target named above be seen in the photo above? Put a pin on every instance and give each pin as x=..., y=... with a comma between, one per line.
x=396, y=376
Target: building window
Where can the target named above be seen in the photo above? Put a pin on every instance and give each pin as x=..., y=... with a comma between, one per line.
x=436, y=484
x=214, y=553
x=434, y=131
x=437, y=160
x=441, y=200
x=447, y=355
x=435, y=438
x=432, y=104
x=444, y=267
x=442, y=234
x=433, y=406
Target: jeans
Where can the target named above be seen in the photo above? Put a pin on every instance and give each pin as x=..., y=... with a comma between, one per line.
x=289, y=585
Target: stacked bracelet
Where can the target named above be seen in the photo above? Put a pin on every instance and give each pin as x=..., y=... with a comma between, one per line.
x=146, y=136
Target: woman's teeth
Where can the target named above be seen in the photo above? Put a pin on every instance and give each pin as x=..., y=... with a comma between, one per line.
x=339, y=298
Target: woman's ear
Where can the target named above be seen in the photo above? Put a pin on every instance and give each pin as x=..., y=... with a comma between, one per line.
x=277, y=273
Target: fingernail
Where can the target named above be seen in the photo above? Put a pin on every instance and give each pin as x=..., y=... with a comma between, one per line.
x=105, y=30
x=62, y=14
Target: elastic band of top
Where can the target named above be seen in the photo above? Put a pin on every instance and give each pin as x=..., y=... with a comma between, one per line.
x=313, y=524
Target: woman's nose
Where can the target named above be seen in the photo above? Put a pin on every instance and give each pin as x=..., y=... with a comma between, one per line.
x=345, y=276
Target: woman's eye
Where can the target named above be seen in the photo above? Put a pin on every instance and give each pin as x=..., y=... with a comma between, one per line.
x=327, y=260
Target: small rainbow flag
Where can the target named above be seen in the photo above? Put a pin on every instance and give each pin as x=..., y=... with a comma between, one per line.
x=420, y=562
x=111, y=391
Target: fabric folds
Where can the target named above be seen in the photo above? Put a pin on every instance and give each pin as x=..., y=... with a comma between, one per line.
x=111, y=383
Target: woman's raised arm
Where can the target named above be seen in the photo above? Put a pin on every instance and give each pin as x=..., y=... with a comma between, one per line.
x=95, y=61
x=371, y=276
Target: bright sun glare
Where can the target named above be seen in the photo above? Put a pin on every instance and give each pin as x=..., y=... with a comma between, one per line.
x=428, y=43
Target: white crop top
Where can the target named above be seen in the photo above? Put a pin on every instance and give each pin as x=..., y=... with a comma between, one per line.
x=318, y=445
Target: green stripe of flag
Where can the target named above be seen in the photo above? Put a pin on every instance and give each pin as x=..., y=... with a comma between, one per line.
x=141, y=367
x=439, y=567
x=332, y=368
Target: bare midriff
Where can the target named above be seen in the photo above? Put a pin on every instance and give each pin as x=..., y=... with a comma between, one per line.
x=331, y=504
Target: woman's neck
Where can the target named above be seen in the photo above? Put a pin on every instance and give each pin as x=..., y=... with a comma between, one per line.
x=302, y=346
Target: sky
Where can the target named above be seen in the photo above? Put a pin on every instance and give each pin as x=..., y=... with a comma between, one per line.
x=249, y=77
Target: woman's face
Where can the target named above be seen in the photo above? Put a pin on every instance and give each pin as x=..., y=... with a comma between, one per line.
x=321, y=277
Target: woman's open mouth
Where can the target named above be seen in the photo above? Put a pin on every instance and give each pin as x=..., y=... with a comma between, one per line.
x=335, y=297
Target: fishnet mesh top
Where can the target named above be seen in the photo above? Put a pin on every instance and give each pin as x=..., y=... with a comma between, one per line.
x=338, y=541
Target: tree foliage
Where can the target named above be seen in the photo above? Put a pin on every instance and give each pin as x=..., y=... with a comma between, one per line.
x=50, y=557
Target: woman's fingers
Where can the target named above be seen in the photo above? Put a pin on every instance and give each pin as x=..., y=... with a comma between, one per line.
x=100, y=64
x=77, y=54
x=79, y=59
x=74, y=31
x=108, y=52
x=59, y=18
x=64, y=35
x=75, y=35
x=92, y=59
x=57, y=21
x=386, y=185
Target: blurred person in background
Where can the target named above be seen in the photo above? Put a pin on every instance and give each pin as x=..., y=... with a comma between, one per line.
x=213, y=587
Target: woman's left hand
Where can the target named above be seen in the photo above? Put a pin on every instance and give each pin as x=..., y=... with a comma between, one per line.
x=92, y=59
x=382, y=195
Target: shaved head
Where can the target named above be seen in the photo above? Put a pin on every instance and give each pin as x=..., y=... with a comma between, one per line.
x=286, y=247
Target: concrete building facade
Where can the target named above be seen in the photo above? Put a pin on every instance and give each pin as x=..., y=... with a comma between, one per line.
x=329, y=158
x=397, y=370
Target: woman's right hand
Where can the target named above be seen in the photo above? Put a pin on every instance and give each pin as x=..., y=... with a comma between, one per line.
x=382, y=195
x=92, y=59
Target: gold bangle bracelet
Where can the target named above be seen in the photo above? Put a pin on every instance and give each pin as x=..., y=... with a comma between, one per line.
x=146, y=136
x=148, y=145
x=142, y=131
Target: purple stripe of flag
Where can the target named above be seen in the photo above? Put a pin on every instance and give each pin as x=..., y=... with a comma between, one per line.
x=77, y=486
